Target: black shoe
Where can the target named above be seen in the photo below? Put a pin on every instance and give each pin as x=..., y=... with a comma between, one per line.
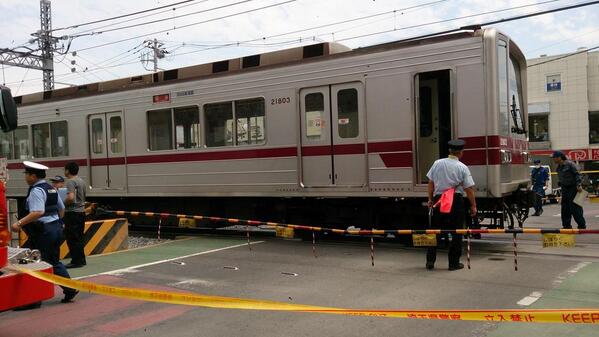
x=535, y=214
x=582, y=227
x=540, y=212
x=430, y=266
x=68, y=297
x=456, y=266
x=31, y=306
x=73, y=265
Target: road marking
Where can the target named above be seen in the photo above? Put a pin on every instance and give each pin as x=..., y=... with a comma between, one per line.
x=129, y=269
x=563, y=276
x=530, y=299
x=558, y=214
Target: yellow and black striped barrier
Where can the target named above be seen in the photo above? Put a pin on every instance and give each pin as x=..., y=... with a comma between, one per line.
x=366, y=232
x=564, y=316
x=102, y=236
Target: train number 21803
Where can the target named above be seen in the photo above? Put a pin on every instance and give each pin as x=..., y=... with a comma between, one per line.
x=280, y=100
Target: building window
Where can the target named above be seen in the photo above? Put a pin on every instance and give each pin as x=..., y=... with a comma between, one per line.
x=594, y=127
x=539, y=128
x=249, y=117
x=554, y=83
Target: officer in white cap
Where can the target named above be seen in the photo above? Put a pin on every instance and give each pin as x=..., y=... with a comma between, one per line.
x=41, y=221
x=449, y=174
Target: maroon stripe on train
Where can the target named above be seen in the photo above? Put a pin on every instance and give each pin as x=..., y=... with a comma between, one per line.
x=474, y=157
x=216, y=155
x=108, y=161
x=50, y=164
x=322, y=150
x=349, y=149
x=401, y=145
x=397, y=159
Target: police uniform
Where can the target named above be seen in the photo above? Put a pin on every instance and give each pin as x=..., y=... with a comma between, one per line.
x=539, y=177
x=449, y=173
x=45, y=233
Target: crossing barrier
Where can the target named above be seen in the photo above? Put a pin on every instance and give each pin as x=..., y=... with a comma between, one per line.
x=566, y=316
x=102, y=236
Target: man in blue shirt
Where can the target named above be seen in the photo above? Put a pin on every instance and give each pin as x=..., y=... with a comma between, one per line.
x=41, y=221
x=539, y=176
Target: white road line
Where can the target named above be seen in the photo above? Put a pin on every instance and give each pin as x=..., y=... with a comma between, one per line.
x=530, y=299
x=563, y=276
x=132, y=268
x=558, y=214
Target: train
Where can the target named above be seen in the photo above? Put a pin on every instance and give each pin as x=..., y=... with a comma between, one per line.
x=319, y=134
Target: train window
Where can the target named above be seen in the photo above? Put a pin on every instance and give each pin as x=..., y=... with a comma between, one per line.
x=314, y=104
x=59, y=135
x=21, y=142
x=97, y=135
x=6, y=145
x=219, y=124
x=515, y=92
x=502, y=77
x=187, y=127
x=160, y=129
x=116, y=134
x=41, y=140
x=347, y=109
x=249, y=115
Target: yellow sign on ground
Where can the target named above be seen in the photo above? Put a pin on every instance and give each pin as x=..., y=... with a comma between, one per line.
x=558, y=240
x=424, y=240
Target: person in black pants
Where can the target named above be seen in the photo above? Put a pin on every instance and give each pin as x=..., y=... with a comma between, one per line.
x=571, y=183
x=74, y=219
x=449, y=175
x=40, y=219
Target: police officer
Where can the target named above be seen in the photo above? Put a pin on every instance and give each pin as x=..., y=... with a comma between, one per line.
x=41, y=221
x=449, y=174
x=570, y=182
x=539, y=176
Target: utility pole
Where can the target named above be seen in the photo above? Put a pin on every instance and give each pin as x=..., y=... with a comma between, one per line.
x=46, y=46
x=156, y=52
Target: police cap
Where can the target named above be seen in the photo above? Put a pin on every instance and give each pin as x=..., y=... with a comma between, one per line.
x=34, y=168
x=456, y=144
x=537, y=161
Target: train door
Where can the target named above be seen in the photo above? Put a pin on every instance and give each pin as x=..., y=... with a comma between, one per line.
x=433, y=118
x=107, y=151
x=333, y=138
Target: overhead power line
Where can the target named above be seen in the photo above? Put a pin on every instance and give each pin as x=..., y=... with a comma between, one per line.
x=564, y=56
x=121, y=16
x=189, y=25
x=160, y=20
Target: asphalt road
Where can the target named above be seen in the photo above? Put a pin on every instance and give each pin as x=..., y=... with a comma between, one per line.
x=341, y=276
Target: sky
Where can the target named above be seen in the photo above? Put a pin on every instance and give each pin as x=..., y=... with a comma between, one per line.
x=203, y=31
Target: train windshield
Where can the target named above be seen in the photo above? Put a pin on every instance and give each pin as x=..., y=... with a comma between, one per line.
x=515, y=97
x=511, y=114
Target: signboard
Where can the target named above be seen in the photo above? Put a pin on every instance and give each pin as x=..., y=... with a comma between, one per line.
x=577, y=155
x=164, y=98
x=424, y=240
x=558, y=240
x=594, y=154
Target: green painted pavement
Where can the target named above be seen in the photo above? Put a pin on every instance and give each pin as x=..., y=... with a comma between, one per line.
x=581, y=290
x=103, y=263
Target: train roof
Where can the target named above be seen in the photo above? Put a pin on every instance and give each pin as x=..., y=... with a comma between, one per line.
x=287, y=57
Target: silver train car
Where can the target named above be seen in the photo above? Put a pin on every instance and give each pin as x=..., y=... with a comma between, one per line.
x=288, y=134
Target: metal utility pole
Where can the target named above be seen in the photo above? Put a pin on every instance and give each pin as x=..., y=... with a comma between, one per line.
x=47, y=45
x=156, y=52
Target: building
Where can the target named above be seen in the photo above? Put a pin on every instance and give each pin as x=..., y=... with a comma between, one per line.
x=563, y=101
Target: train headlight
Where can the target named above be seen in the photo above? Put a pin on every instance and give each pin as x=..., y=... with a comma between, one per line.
x=506, y=156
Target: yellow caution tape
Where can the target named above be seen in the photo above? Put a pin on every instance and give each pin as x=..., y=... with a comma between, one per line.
x=570, y=316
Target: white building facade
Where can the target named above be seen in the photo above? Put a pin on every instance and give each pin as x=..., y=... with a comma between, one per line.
x=563, y=98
